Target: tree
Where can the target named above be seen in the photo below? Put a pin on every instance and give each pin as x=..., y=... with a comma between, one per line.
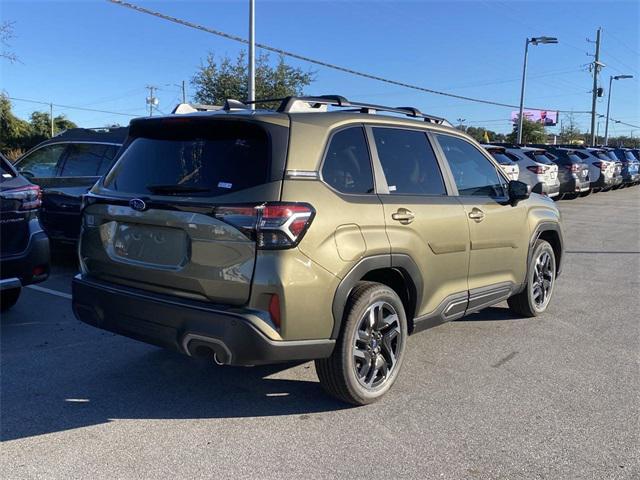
x=14, y=132
x=569, y=131
x=6, y=34
x=482, y=135
x=18, y=134
x=532, y=132
x=215, y=81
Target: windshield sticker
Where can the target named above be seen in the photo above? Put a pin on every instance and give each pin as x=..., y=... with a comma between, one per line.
x=225, y=185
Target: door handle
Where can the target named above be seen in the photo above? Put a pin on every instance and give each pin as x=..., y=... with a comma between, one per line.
x=404, y=216
x=476, y=214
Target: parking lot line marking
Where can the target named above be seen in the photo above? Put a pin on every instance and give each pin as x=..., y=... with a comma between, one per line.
x=49, y=291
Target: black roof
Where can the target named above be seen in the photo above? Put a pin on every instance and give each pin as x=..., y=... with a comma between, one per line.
x=108, y=135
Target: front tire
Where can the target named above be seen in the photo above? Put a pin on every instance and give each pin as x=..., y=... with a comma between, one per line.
x=541, y=279
x=8, y=298
x=370, y=348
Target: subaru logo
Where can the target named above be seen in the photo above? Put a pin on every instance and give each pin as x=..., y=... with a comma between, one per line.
x=137, y=204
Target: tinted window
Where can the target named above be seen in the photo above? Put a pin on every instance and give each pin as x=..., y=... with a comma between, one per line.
x=501, y=157
x=574, y=158
x=347, y=166
x=211, y=161
x=107, y=159
x=408, y=162
x=42, y=162
x=85, y=159
x=474, y=174
x=543, y=158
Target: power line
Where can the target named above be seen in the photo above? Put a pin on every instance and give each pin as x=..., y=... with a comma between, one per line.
x=70, y=107
x=303, y=58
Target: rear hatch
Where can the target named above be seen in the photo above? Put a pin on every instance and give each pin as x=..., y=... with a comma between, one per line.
x=578, y=167
x=174, y=215
x=548, y=170
x=507, y=164
x=19, y=201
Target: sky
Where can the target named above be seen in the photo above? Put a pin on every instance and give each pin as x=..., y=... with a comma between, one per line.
x=97, y=55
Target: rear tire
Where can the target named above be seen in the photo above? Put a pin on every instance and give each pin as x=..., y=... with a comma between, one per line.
x=370, y=348
x=541, y=279
x=8, y=298
x=584, y=194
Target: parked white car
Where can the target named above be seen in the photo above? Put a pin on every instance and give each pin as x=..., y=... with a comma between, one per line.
x=536, y=169
x=506, y=161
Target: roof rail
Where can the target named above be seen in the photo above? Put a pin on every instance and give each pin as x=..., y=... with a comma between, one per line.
x=292, y=103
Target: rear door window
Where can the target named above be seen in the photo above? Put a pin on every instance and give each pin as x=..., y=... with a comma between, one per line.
x=347, y=165
x=473, y=173
x=200, y=160
x=43, y=162
x=84, y=159
x=408, y=162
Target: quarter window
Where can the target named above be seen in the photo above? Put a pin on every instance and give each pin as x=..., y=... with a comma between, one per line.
x=408, y=162
x=43, y=162
x=347, y=165
x=473, y=173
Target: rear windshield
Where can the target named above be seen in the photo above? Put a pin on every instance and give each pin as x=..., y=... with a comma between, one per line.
x=574, y=158
x=222, y=158
x=7, y=171
x=540, y=157
x=501, y=157
x=602, y=156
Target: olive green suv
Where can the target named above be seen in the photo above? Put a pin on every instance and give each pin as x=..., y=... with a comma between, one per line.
x=326, y=230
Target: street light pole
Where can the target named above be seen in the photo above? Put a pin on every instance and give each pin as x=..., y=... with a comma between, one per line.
x=524, y=79
x=606, y=125
x=533, y=41
x=252, y=54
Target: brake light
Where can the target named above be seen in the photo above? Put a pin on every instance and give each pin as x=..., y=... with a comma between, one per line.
x=272, y=225
x=573, y=168
x=601, y=165
x=537, y=169
x=28, y=198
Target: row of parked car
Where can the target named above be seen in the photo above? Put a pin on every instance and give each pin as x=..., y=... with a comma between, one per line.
x=568, y=171
x=48, y=182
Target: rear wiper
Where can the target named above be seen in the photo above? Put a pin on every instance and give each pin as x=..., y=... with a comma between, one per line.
x=177, y=188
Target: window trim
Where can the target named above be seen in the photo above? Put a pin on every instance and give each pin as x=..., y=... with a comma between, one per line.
x=383, y=187
x=499, y=172
x=325, y=151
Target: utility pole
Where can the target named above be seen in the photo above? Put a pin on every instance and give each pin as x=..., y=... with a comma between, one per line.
x=184, y=93
x=51, y=117
x=594, y=94
x=152, y=101
x=252, y=53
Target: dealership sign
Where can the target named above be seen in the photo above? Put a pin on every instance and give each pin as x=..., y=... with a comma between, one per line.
x=545, y=117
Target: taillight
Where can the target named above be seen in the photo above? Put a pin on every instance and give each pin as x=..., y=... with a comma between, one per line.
x=601, y=165
x=537, y=169
x=574, y=168
x=271, y=225
x=27, y=198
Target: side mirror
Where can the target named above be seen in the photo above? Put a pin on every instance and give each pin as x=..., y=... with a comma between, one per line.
x=518, y=191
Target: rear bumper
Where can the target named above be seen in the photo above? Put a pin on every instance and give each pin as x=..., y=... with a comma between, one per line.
x=631, y=178
x=549, y=189
x=187, y=326
x=18, y=270
x=575, y=185
x=603, y=182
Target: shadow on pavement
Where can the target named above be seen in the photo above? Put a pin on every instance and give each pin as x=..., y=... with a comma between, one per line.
x=492, y=314
x=64, y=387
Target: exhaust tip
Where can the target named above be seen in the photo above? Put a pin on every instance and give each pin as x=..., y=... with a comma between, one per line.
x=206, y=347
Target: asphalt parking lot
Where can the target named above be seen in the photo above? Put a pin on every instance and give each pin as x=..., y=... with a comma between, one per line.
x=488, y=396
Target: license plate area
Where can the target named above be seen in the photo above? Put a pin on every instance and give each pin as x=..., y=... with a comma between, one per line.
x=149, y=245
